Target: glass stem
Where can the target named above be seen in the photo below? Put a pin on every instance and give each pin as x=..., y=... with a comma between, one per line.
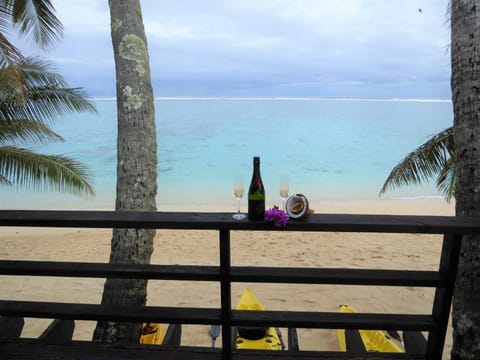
x=238, y=211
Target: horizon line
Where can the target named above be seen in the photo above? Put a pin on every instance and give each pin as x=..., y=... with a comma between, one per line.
x=281, y=98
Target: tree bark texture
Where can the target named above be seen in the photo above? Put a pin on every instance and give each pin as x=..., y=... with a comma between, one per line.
x=136, y=162
x=465, y=52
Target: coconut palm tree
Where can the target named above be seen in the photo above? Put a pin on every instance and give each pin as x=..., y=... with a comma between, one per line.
x=136, y=163
x=435, y=159
x=31, y=97
x=465, y=20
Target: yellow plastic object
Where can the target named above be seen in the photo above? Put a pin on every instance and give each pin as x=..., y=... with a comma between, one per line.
x=248, y=301
x=271, y=339
x=373, y=340
x=153, y=334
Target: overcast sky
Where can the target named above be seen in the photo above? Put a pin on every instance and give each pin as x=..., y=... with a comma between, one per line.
x=263, y=48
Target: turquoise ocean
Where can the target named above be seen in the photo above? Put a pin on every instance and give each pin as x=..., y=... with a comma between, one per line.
x=330, y=149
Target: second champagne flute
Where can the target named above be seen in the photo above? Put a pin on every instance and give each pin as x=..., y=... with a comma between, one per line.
x=238, y=192
x=284, y=189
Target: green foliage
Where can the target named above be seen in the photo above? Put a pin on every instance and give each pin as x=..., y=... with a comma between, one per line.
x=43, y=96
x=34, y=19
x=43, y=172
x=32, y=96
x=24, y=116
x=434, y=159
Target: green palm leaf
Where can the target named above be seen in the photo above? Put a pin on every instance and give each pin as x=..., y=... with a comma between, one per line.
x=5, y=16
x=26, y=130
x=37, y=20
x=44, y=95
x=44, y=104
x=31, y=96
x=9, y=54
x=10, y=57
x=433, y=159
x=25, y=168
x=446, y=179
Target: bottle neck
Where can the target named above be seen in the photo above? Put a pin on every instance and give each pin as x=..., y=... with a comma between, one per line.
x=256, y=168
x=256, y=179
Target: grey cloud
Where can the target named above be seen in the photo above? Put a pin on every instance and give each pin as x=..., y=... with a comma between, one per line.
x=273, y=48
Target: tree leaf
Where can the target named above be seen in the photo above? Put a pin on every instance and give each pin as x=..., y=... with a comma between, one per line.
x=430, y=160
x=24, y=168
x=22, y=130
x=36, y=20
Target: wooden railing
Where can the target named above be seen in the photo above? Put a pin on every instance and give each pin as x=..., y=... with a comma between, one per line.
x=435, y=323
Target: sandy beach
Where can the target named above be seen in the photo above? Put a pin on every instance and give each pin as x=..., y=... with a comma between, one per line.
x=342, y=250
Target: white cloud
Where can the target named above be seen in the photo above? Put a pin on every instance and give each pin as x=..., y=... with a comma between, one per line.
x=349, y=42
x=85, y=17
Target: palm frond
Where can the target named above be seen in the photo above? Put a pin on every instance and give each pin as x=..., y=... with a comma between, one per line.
x=24, y=168
x=36, y=20
x=4, y=181
x=6, y=7
x=46, y=104
x=9, y=54
x=424, y=163
x=22, y=130
x=10, y=72
x=33, y=72
x=446, y=179
x=40, y=72
x=46, y=95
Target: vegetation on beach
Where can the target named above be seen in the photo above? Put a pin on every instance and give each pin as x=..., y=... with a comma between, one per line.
x=32, y=96
x=434, y=159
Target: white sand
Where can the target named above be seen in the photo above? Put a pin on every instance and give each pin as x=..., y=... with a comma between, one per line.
x=342, y=250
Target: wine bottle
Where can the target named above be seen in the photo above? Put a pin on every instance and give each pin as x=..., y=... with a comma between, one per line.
x=256, y=193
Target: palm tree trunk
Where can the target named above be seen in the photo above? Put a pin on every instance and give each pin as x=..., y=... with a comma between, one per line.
x=465, y=22
x=136, y=162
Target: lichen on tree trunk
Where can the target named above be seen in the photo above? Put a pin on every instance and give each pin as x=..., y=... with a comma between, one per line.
x=465, y=50
x=136, y=163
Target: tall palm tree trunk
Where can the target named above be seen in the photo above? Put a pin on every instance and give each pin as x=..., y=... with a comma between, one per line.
x=465, y=19
x=136, y=162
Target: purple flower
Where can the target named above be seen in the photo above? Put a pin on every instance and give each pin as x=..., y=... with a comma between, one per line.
x=277, y=216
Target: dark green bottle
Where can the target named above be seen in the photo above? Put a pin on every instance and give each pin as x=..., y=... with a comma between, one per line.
x=256, y=193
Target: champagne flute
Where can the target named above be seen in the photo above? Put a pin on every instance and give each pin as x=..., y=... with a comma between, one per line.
x=284, y=189
x=238, y=191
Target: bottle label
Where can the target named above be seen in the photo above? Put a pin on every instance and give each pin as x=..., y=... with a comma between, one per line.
x=256, y=209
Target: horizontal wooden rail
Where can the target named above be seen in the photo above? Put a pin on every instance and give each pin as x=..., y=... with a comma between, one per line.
x=223, y=221
x=173, y=315
x=202, y=316
x=102, y=270
x=337, y=276
x=333, y=320
x=237, y=274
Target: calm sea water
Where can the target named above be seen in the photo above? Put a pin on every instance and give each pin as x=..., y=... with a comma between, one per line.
x=329, y=149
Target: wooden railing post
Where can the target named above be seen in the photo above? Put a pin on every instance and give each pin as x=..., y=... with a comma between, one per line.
x=443, y=296
x=225, y=294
